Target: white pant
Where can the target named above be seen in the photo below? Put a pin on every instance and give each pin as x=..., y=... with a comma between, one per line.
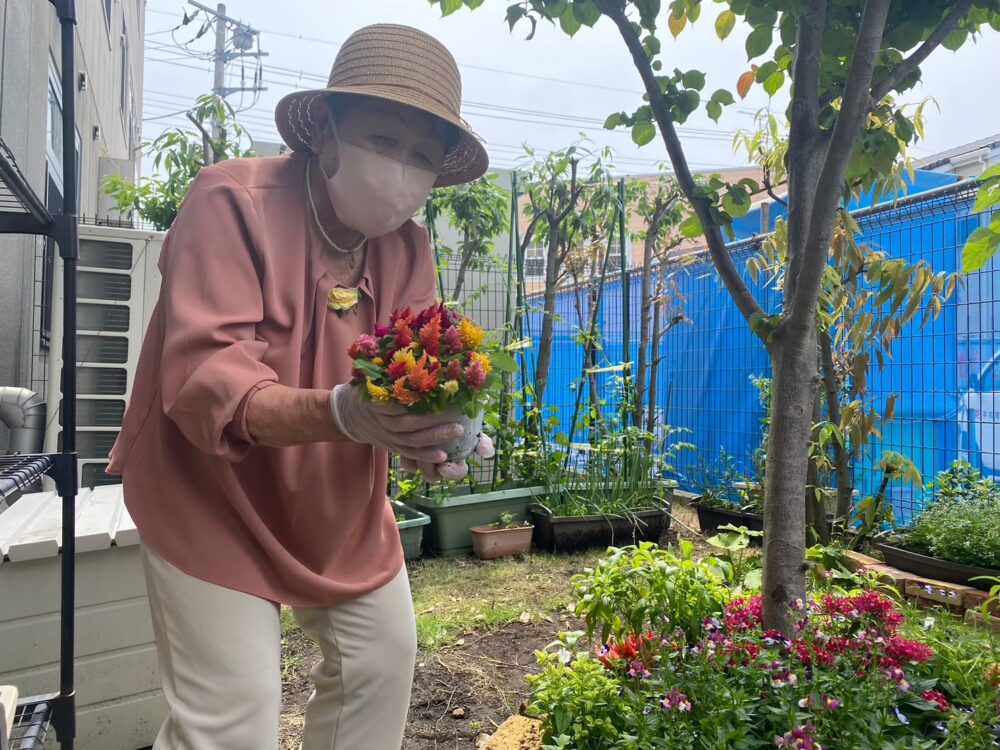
x=219, y=653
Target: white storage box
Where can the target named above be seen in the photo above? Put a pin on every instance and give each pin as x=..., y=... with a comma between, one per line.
x=119, y=703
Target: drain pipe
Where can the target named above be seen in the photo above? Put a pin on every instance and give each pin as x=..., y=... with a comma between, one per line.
x=23, y=411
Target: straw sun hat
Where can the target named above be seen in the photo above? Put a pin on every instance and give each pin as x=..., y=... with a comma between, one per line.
x=396, y=64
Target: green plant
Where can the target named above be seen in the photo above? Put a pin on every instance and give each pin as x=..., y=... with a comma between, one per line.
x=982, y=244
x=506, y=521
x=874, y=512
x=740, y=564
x=646, y=588
x=178, y=155
x=716, y=480
x=765, y=395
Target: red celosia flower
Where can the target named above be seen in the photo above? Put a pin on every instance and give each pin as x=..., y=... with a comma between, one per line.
x=405, y=316
x=382, y=330
x=404, y=335
x=903, y=649
x=454, y=370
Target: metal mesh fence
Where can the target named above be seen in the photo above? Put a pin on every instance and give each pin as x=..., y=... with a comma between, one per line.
x=943, y=375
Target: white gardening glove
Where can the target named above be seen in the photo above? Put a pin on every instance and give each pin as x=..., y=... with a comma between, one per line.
x=392, y=428
x=453, y=470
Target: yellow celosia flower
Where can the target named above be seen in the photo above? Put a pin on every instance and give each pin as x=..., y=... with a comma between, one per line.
x=378, y=361
x=472, y=335
x=450, y=387
x=484, y=360
x=377, y=392
x=403, y=361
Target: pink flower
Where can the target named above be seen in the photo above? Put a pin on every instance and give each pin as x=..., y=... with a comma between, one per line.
x=638, y=670
x=902, y=649
x=475, y=375
x=454, y=370
x=382, y=330
x=452, y=340
x=675, y=699
x=365, y=345
x=799, y=738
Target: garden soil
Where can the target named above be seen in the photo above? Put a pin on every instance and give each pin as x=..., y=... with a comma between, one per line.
x=462, y=693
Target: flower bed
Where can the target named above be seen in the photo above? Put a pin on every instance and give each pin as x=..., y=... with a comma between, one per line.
x=853, y=674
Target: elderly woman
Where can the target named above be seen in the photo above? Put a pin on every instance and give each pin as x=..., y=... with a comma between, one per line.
x=255, y=474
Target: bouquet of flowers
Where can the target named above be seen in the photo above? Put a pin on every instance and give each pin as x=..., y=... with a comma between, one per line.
x=434, y=361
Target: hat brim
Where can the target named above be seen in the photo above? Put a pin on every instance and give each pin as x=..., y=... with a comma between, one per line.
x=465, y=161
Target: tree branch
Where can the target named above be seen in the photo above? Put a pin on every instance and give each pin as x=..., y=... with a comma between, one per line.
x=853, y=110
x=741, y=295
x=896, y=75
x=769, y=188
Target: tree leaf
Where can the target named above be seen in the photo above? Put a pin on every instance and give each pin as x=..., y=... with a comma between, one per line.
x=643, y=133
x=691, y=227
x=987, y=197
x=615, y=120
x=503, y=362
x=569, y=22
x=744, y=83
x=514, y=14
x=450, y=6
x=955, y=39
x=991, y=173
x=676, y=24
x=586, y=12
x=774, y=82
x=694, y=79
x=714, y=110
x=723, y=96
x=979, y=248
x=759, y=41
x=725, y=24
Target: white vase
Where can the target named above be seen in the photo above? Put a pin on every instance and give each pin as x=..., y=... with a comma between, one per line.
x=461, y=448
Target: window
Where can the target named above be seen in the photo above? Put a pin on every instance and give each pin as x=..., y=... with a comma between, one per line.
x=54, y=133
x=534, y=261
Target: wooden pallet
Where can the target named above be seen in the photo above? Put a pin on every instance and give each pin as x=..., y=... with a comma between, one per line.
x=517, y=733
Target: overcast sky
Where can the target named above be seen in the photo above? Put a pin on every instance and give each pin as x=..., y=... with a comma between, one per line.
x=542, y=92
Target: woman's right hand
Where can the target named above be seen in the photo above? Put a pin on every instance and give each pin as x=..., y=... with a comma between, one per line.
x=392, y=428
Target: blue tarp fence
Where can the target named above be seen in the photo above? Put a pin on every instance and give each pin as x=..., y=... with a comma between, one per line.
x=948, y=398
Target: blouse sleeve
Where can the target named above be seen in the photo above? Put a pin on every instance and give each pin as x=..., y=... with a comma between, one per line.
x=212, y=303
x=421, y=292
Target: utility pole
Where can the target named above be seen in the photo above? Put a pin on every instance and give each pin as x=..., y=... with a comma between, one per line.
x=244, y=37
x=220, y=60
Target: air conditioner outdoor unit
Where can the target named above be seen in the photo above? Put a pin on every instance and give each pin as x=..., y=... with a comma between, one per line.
x=117, y=286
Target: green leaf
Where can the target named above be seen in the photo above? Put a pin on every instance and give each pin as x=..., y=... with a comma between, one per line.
x=955, y=39
x=586, y=12
x=694, y=79
x=450, y=6
x=759, y=41
x=569, y=22
x=514, y=14
x=723, y=96
x=774, y=82
x=991, y=173
x=691, y=227
x=736, y=202
x=503, y=362
x=979, y=248
x=725, y=24
x=676, y=25
x=553, y=9
x=643, y=133
x=614, y=121
x=714, y=110
x=987, y=197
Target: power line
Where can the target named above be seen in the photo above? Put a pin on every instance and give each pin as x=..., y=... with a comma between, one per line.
x=485, y=68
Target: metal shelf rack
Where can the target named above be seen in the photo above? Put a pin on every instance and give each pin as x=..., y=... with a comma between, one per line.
x=22, y=212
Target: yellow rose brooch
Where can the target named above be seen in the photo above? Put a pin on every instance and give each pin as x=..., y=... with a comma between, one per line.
x=342, y=301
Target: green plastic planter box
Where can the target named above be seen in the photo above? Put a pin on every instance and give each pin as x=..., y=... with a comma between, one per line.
x=411, y=530
x=452, y=517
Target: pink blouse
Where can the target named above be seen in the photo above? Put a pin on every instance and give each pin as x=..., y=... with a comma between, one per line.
x=243, y=306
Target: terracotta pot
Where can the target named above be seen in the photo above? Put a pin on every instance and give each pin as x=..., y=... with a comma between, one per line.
x=489, y=543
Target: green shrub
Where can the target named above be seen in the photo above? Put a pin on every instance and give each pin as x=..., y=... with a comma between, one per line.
x=648, y=589
x=962, y=524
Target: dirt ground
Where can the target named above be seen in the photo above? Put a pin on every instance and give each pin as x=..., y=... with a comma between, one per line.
x=461, y=692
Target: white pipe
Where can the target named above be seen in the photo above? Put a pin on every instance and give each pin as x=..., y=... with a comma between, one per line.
x=23, y=411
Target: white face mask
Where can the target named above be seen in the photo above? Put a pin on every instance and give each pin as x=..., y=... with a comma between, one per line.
x=374, y=194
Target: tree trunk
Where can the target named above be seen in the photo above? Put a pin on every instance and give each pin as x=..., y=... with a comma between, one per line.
x=793, y=362
x=842, y=464
x=548, y=313
x=468, y=250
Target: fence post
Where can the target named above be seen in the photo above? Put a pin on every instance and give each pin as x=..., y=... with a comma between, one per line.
x=626, y=296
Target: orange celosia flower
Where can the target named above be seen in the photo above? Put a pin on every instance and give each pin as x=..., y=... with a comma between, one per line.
x=430, y=335
x=402, y=394
x=420, y=379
